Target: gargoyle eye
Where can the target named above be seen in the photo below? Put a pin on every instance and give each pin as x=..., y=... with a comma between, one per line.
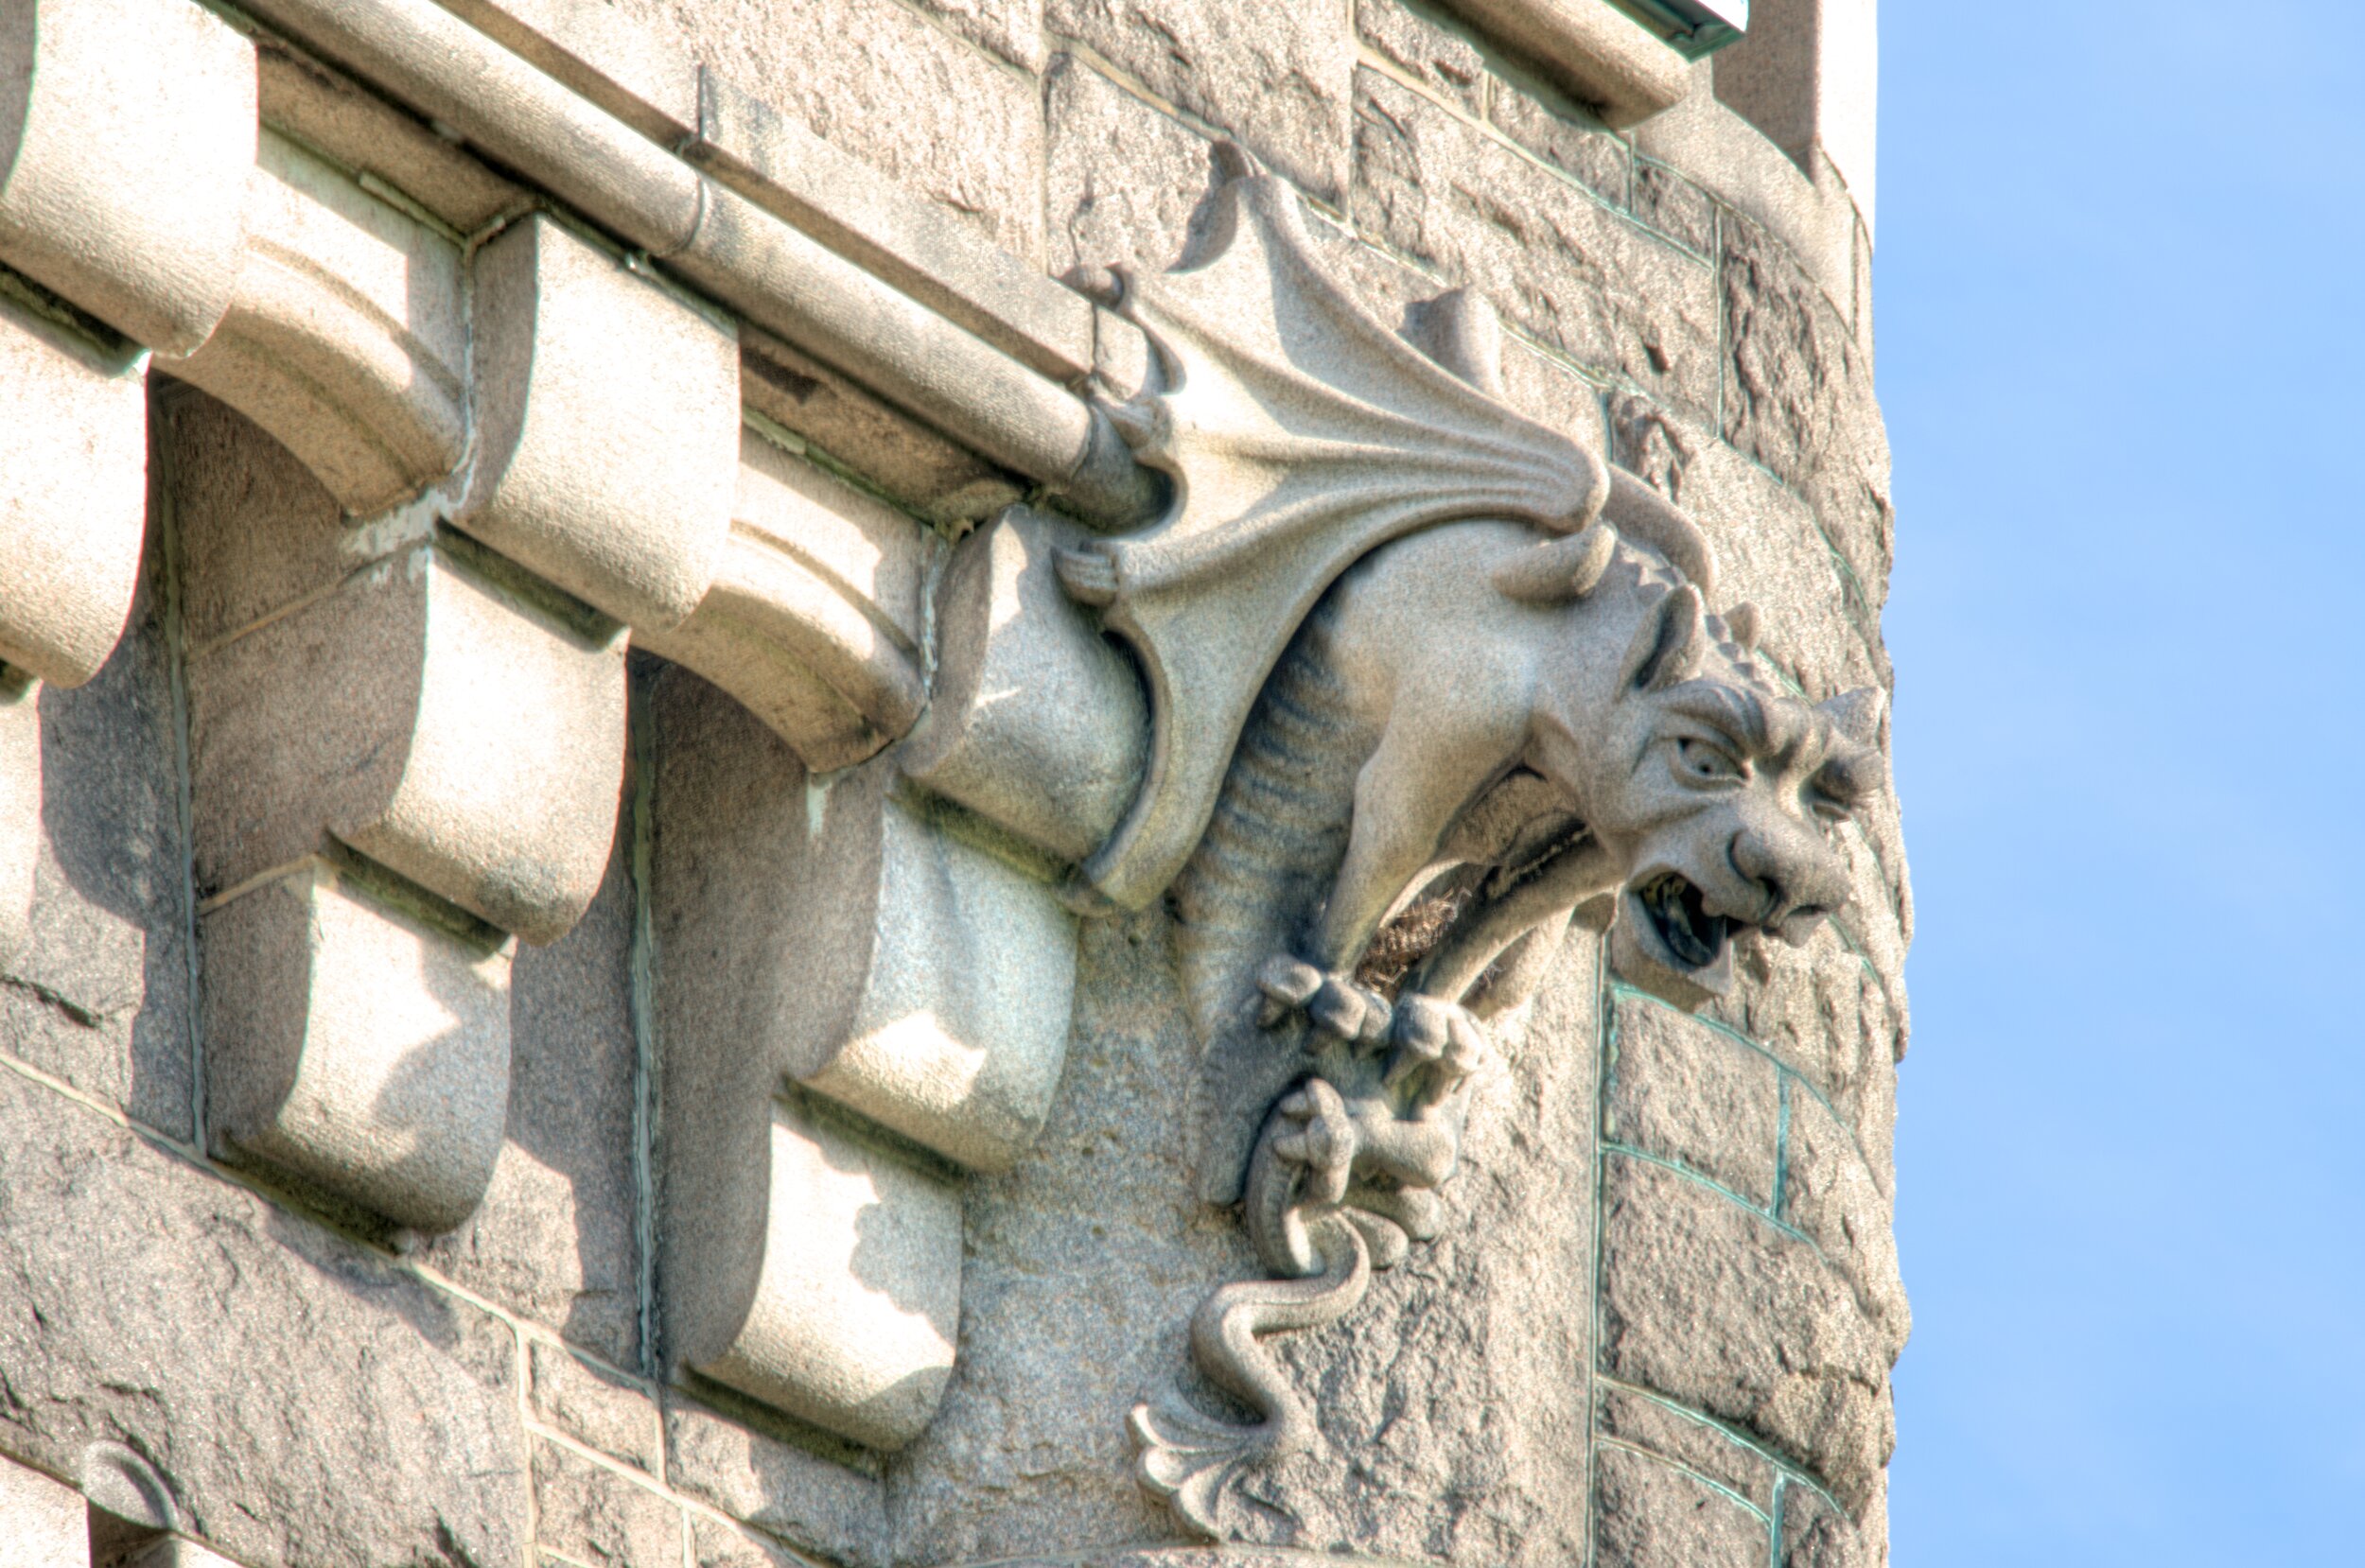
x=1826, y=811
x=1707, y=762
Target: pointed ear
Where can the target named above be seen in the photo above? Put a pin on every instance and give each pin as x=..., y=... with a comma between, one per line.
x=1563, y=570
x=1856, y=714
x=1666, y=645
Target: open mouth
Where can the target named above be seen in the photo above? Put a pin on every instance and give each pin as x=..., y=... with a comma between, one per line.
x=1679, y=918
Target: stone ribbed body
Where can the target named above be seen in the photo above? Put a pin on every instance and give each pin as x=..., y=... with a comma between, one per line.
x=1655, y=1325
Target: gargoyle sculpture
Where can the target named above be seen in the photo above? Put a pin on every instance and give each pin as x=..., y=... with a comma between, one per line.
x=1491, y=669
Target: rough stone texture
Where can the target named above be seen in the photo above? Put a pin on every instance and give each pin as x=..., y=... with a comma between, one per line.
x=98, y=994
x=1711, y=1305
x=208, y=1321
x=715, y=1545
x=1558, y=264
x=600, y=1516
x=818, y=1503
x=1798, y=399
x=1415, y=43
x=595, y=1406
x=1124, y=185
x=928, y=110
x=1685, y=1092
x=1830, y=1193
x=1650, y=1515
x=555, y=1239
x=1276, y=76
x=1816, y=1535
x=1674, y=206
x=1685, y=1438
x=1567, y=137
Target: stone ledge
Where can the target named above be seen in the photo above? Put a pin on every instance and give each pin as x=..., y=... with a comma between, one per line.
x=1589, y=50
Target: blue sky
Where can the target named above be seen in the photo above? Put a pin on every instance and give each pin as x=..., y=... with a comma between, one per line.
x=2117, y=307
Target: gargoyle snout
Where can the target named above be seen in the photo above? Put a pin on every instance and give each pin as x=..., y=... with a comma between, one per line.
x=1796, y=876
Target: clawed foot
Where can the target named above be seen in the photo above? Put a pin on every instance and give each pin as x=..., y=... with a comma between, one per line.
x=1437, y=1046
x=1320, y=1137
x=1337, y=1005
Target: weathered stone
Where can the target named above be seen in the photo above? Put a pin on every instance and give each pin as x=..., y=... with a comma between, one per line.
x=785, y=1491
x=1548, y=391
x=607, y=426
x=715, y=1545
x=347, y=337
x=129, y=144
x=1012, y=28
x=602, y=1516
x=1650, y=1515
x=1276, y=76
x=98, y=992
x=435, y=713
x=358, y=1040
x=635, y=71
x=1564, y=136
x=1684, y=1439
x=878, y=81
x=1558, y=264
x=1830, y=1193
x=1816, y=1535
x=596, y=1407
x=1683, y=1091
x=1823, y=1012
x=73, y=465
x=1798, y=399
x=1674, y=206
x=207, y=1317
x=1597, y=55
x=1718, y=1309
x=1424, y=48
x=42, y=1520
x=912, y=244
x=1123, y=185
x=556, y=1238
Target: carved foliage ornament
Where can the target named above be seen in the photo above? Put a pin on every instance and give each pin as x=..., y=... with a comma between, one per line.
x=1400, y=639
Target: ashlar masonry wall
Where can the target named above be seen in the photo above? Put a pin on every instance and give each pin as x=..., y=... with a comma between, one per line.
x=1657, y=1327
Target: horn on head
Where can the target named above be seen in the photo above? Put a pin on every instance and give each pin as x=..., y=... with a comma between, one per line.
x=1648, y=518
x=1562, y=571
x=1666, y=645
x=1856, y=714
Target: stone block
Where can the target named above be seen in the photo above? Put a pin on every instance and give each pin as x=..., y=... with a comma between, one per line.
x=912, y=244
x=1125, y=185
x=1275, y=77
x=814, y=620
x=1683, y=1091
x=440, y=714
x=609, y=429
x=1830, y=1193
x=1596, y=54
x=783, y=1489
x=205, y=1318
x=126, y=135
x=1650, y=1515
x=1830, y=1017
x=98, y=991
x=1674, y=206
x=42, y=1520
x=20, y=807
x=1561, y=266
x=556, y=1238
x=879, y=81
x=595, y=1406
x=716, y=1545
x=1684, y=1439
x=1420, y=46
x=593, y=1514
x=851, y=1320
x=1548, y=391
x=1036, y=723
x=347, y=337
x=1807, y=75
x=1816, y=1535
x=1716, y=1308
x=73, y=493
x=1798, y=399
x=1565, y=135
x=359, y=1044
x=172, y=1551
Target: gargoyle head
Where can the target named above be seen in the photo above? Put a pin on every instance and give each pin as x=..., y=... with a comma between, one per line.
x=1716, y=792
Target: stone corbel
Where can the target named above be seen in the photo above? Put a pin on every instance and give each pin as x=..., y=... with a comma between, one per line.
x=858, y=1006
x=126, y=131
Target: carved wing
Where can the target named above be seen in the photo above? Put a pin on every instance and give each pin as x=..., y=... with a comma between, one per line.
x=1300, y=433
